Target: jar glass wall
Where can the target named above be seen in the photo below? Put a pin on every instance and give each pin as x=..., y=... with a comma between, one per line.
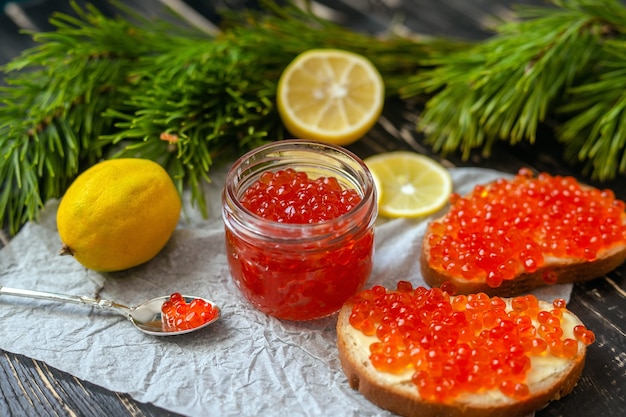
x=299, y=271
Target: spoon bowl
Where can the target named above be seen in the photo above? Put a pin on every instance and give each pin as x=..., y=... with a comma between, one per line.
x=147, y=316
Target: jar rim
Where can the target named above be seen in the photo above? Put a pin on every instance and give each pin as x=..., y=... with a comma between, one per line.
x=364, y=211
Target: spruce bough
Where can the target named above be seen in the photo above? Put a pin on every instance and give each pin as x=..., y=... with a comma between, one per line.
x=99, y=87
x=564, y=65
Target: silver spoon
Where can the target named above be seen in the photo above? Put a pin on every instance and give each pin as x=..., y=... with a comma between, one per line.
x=146, y=316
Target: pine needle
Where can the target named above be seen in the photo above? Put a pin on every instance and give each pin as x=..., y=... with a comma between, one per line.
x=99, y=87
x=562, y=65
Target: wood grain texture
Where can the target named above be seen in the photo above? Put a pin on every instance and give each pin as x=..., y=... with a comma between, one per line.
x=31, y=388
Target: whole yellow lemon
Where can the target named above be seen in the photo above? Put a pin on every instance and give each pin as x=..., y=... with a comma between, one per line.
x=118, y=214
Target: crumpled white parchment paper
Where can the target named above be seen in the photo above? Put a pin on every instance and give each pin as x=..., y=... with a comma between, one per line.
x=247, y=364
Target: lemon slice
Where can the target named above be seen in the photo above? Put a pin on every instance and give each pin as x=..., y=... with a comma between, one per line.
x=410, y=184
x=330, y=95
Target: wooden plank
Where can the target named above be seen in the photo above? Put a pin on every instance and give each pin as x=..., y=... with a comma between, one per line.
x=31, y=388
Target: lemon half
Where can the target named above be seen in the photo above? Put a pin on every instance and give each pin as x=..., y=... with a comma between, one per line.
x=330, y=95
x=410, y=184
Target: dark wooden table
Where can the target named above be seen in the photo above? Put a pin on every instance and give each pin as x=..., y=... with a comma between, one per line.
x=31, y=388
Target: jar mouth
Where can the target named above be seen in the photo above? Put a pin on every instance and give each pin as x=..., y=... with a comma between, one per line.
x=316, y=159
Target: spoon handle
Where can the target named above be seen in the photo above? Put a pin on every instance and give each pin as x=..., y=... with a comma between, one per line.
x=65, y=298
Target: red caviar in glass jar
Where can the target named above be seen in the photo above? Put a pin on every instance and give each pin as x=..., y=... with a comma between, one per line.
x=511, y=226
x=178, y=314
x=289, y=196
x=306, y=243
x=459, y=344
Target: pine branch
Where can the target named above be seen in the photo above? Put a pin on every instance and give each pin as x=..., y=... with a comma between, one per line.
x=100, y=87
x=192, y=104
x=505, y=87
x=49, y=118
x=594, y=130
x=220, y=95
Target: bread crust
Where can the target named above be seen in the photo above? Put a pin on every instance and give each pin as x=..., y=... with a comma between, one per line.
x=404, y=400
x=566, y=271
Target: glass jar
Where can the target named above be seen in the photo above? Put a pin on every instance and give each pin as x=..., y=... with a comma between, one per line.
x=299, y=271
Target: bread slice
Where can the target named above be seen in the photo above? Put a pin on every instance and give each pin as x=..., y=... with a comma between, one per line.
x=549, y=378
x=563, y=271
x=559, y=268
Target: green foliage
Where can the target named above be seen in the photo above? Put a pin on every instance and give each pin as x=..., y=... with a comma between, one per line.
x=562, y=64
x=595, y=131
x=99, y=87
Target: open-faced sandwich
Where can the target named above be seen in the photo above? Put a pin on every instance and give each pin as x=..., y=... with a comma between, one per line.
x=421, y=352
x=513, y=235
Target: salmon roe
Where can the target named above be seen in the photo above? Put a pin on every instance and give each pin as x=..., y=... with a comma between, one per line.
x=290, y=196
x=511, y=226
x=300, y=273
x=459, y=344
x=177, y=314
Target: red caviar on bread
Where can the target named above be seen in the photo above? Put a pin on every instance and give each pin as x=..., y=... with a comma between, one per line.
x=510, y=236
x=422, y=352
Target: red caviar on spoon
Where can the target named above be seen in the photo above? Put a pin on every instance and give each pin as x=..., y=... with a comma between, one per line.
x=179, y=314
